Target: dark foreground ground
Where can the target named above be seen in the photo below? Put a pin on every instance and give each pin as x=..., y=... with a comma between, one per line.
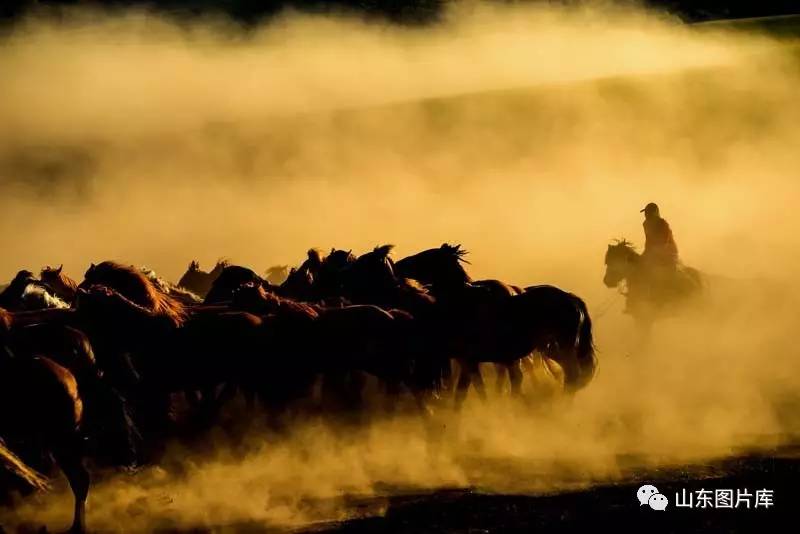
x=602, y=508
x=605, y=508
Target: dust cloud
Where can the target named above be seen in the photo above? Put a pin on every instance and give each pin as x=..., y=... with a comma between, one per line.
x=532, y=136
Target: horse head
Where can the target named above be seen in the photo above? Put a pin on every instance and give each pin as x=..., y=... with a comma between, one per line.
x=440, y=267
x=254, y=299
x=371, y=275
x=277, y=274
x=621, y=258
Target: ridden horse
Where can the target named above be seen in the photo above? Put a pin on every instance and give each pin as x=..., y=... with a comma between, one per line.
x=199, y=282
x=493, y=322
x=42, y=414
x=63, y=286
x=651, y=291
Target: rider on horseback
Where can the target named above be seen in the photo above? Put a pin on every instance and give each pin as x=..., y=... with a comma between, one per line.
x=660, y=251
x=659, y=247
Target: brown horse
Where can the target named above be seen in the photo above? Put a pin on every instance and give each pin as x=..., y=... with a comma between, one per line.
x=198, y=281
x=46, y=417
x=177, y=292
x=63, y=286
x=277, y=274
x=25, y=292
x=489, y=321
x=652, y=291
x=338, y=341
x=208, y=348
x=137, y=287
x=230, y=279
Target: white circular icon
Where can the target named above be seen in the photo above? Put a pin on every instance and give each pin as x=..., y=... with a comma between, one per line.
x=649, y=495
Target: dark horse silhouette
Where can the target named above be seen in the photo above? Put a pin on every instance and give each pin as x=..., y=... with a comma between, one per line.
x=136, y=286
x=650, y=293
x=206, y=349
x=490, y=321
x=336, y=341
x=25, y=292
x=230, y=279
x=63, y=286
x=42, y=414
x=198, y=281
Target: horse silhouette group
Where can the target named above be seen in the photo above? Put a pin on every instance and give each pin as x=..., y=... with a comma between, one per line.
x=93, y=370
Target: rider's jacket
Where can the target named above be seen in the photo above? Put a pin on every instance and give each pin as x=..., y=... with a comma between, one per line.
x=659, y=247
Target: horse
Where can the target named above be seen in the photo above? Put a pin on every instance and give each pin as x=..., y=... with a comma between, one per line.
x=209, y=348
x=651, y=291
x=107, y=418
x=489, y=321
x=177, y=292
x=199, y=282
x=315, y=280
x=277, y=274
x=136, y=286
x=25, y=292
x=43, y=413
x=230, y=279
x=63, y=286
x=337, y=342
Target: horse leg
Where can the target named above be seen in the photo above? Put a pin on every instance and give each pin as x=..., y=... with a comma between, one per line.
x=70, y=460
x=568, y=360
x=501, y=369
x=392, y=389
x=464, y=381
x=480, y=387
x=515, y=377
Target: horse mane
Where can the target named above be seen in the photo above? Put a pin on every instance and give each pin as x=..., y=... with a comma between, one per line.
x=137, y=287
x=622, y=242
x=416, y=285
x=315, y=257
x=56, y=277
x=456, y=251
x=39, y=292
x=383, y=250
x=220, y=266
x=167, y=287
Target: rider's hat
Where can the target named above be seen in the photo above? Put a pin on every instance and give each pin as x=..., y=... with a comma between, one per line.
x=650, y=208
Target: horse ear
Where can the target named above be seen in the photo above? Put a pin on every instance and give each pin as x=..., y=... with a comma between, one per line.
x=60, y=268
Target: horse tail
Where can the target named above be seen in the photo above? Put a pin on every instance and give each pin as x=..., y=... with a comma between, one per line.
x=584, y=345
x=13, y=463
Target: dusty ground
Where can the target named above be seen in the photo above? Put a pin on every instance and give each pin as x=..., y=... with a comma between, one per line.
x=604, y=507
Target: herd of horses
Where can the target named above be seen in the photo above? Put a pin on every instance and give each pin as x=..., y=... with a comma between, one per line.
x=94, y=369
